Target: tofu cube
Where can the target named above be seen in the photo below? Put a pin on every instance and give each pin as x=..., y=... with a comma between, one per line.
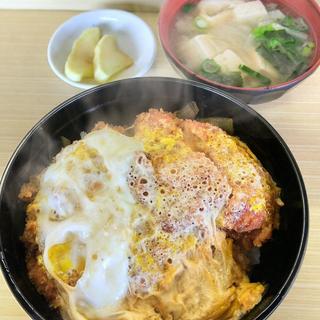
x=251, y=12
x=264, y=66
x=212, y=7
x=228, y=60
x=197, y=49
x=223, y=17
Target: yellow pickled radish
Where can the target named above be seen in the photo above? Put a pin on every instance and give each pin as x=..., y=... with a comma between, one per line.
x=109, y=59
x=79, y=64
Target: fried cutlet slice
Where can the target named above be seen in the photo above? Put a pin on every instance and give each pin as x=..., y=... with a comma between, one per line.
x=183, y=191
x=252, y=209
x=36, y=270
x=254, y=203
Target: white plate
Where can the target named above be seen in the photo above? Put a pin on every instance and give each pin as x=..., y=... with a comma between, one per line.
x=133, y=36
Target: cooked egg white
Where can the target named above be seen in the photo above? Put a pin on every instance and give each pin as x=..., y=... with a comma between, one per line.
x=85, y=208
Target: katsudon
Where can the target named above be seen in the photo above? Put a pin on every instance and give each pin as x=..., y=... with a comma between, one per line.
x=151, y=222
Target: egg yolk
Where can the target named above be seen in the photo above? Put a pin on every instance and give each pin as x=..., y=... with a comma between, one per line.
x=65, y=267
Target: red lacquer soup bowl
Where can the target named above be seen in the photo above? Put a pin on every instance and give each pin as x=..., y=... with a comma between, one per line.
x=307, y=9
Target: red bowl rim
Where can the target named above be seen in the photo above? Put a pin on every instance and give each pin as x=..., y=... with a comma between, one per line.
x=314, y=64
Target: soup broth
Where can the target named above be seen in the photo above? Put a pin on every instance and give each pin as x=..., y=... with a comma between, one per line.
x=242, y=43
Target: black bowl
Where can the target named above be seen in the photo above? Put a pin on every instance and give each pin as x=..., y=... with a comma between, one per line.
x=119, y=103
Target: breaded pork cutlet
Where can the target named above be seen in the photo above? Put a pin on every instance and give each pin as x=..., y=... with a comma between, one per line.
x=251, y=212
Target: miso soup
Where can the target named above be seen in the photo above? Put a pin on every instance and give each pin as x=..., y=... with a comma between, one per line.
x=242, y=43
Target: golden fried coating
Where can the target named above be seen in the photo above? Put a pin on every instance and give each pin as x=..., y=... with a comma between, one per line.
x=253, y=205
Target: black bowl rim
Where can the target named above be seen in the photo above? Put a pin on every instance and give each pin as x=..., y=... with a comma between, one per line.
x=274, y=303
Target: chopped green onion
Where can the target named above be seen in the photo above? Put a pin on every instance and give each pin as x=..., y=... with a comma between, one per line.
x=260, y=31
x=254, y=74
x=308, y=49
x=201, y=23
x=210, y=66
x=188, y=7
x=273, y=44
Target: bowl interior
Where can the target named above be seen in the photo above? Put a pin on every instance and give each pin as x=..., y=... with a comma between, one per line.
x=308, y=9
x=133, y=36
x=119, y=103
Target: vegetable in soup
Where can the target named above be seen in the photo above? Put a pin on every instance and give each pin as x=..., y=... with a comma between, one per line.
x=242, y=43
